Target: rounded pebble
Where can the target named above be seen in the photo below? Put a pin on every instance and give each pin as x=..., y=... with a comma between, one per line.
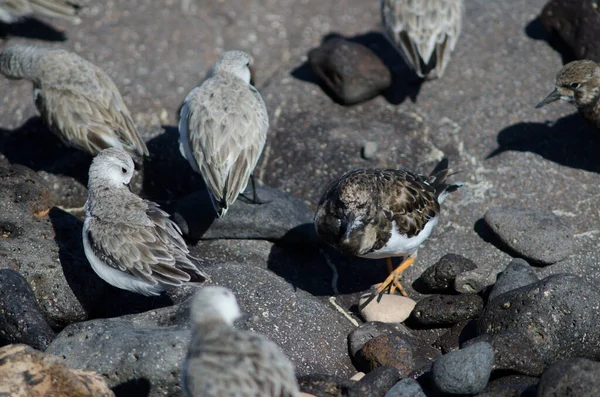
x=517, y=274
x=369, y=150
x=447, y=309
x=440, y=277
x=464, y=371
x=386, y=309
x=406, y=388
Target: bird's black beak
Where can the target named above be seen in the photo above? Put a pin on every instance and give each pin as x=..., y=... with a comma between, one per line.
x=554, y=96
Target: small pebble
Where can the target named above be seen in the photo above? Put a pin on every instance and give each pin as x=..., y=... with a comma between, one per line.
x=386, y=308
x=443, y=310
x=464, y=371
x=440, y=277
x=358, y=376
x=369, y=150
x=536, y=235
x=474, y=281
x=406, y=388
x=517, y=274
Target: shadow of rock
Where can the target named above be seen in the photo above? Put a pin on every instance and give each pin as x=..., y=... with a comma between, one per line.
x=99, y=299
x=133, y=388
x=536, y=31
x=35, y=146
x=31, y=28
x=570, y=141
x=485, y=232
x=405, y=83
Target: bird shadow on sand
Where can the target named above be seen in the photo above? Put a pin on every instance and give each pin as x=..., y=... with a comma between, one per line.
x=35, y=146
x=31, y=28
x=536, y=31
x=570, y=142
x=99, y=299
x=405, y=83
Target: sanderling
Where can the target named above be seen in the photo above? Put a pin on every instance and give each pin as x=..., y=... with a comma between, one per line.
x=425, y=32
x=375, y=213
x=76, y=99
x=13, y=10
x=223, y=128
x=130, y=242
x=225, y=361
x=578, y=82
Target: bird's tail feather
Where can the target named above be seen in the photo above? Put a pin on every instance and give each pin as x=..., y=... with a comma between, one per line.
x=437, y=179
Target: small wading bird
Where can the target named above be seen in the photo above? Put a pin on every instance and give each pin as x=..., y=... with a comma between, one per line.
x=425, y=32
x=223, y=128
x=373, y=213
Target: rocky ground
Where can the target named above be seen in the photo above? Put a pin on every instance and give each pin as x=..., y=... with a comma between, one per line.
x=531, y=190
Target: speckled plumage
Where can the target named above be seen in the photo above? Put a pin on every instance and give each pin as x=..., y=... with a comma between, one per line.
x=13, y=10
x=130, y=242
x=425, y=32
x=223, y=128
x=578, y=82
x=223, y=361
x=76, y=99
x=360, y=212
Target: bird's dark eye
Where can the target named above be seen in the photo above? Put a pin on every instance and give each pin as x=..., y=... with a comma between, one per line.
x=124, y=170
x=575, y=85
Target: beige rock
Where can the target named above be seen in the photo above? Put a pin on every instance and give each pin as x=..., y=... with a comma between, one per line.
x=358, y=376
x=387, y=308
x=26, y=372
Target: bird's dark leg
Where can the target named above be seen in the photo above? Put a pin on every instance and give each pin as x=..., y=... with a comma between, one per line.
x=255, y=199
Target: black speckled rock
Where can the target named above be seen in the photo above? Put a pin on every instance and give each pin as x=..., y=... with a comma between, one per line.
x=511, y=386
x=440, y=277
x=517, y=274
x=577, y=23
x=538, y=236
x=557, y=316
x=458, y=334
x=572, y=377
x=443, y=310
x=350, y=70
x=464, y=371
x=407, y=387
x=375, y=383
x=20, y=317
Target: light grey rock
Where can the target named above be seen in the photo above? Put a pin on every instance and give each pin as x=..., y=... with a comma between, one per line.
x=407, y=387
x=464, y=371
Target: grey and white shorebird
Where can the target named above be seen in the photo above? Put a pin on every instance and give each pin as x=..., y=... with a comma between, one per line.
x=374, y=213
x=14, y=10
x=223, y=128
x=131, y=243
x=578, y=82
x=224, y=361
x=425, y=32
x=75, y=98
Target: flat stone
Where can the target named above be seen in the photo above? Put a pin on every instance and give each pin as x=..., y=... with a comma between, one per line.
x=351, y=71
x=440, y=277
x=538, y=236
x=517, y=274
x=386, y=309
x=407, y=387
x=464, y=371
x=20, y=318
x=25, y=372
x=571, y=377
x=443, y=310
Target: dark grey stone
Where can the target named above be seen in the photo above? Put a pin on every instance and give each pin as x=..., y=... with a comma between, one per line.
x=440, y=276
x=475, y=281
x=443, y=310
x=407, y=387
x=453, y=338
x=464, y=371
x=375, y=383
x=572, y=377
x=517, y=274
x=556, y=315
x=538, y=236
x=511, y=386
x=20, y=317
x=351, y=71
x=325, y=385
x=367, y=331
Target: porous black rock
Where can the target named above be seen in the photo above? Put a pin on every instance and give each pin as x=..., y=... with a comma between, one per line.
x=441, y=276
x=351, y=71
x=455, y=336
x=464, y=371
x=536, y=235
x=20, y=317
x=557, y=316
x=444, y=310
x=517, y=274
x=375, y=383
x=511, y=386
x=572, y=377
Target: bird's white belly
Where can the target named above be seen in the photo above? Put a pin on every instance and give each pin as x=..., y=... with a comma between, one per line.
x=400, y=244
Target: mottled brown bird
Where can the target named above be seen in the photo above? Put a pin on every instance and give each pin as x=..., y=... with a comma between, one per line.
x=13, y=10
x=578, y=82
x=373, y=213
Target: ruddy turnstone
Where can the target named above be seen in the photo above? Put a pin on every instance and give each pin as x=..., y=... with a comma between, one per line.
x=225, y=361
x=375, y=213
x=425, y=32
x=13, y=10
x=130, y=242
x=223, y=128
x=76, y=99
x=578, y=83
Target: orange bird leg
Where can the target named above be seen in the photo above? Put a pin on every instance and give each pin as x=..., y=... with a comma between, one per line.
x=393, y=280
